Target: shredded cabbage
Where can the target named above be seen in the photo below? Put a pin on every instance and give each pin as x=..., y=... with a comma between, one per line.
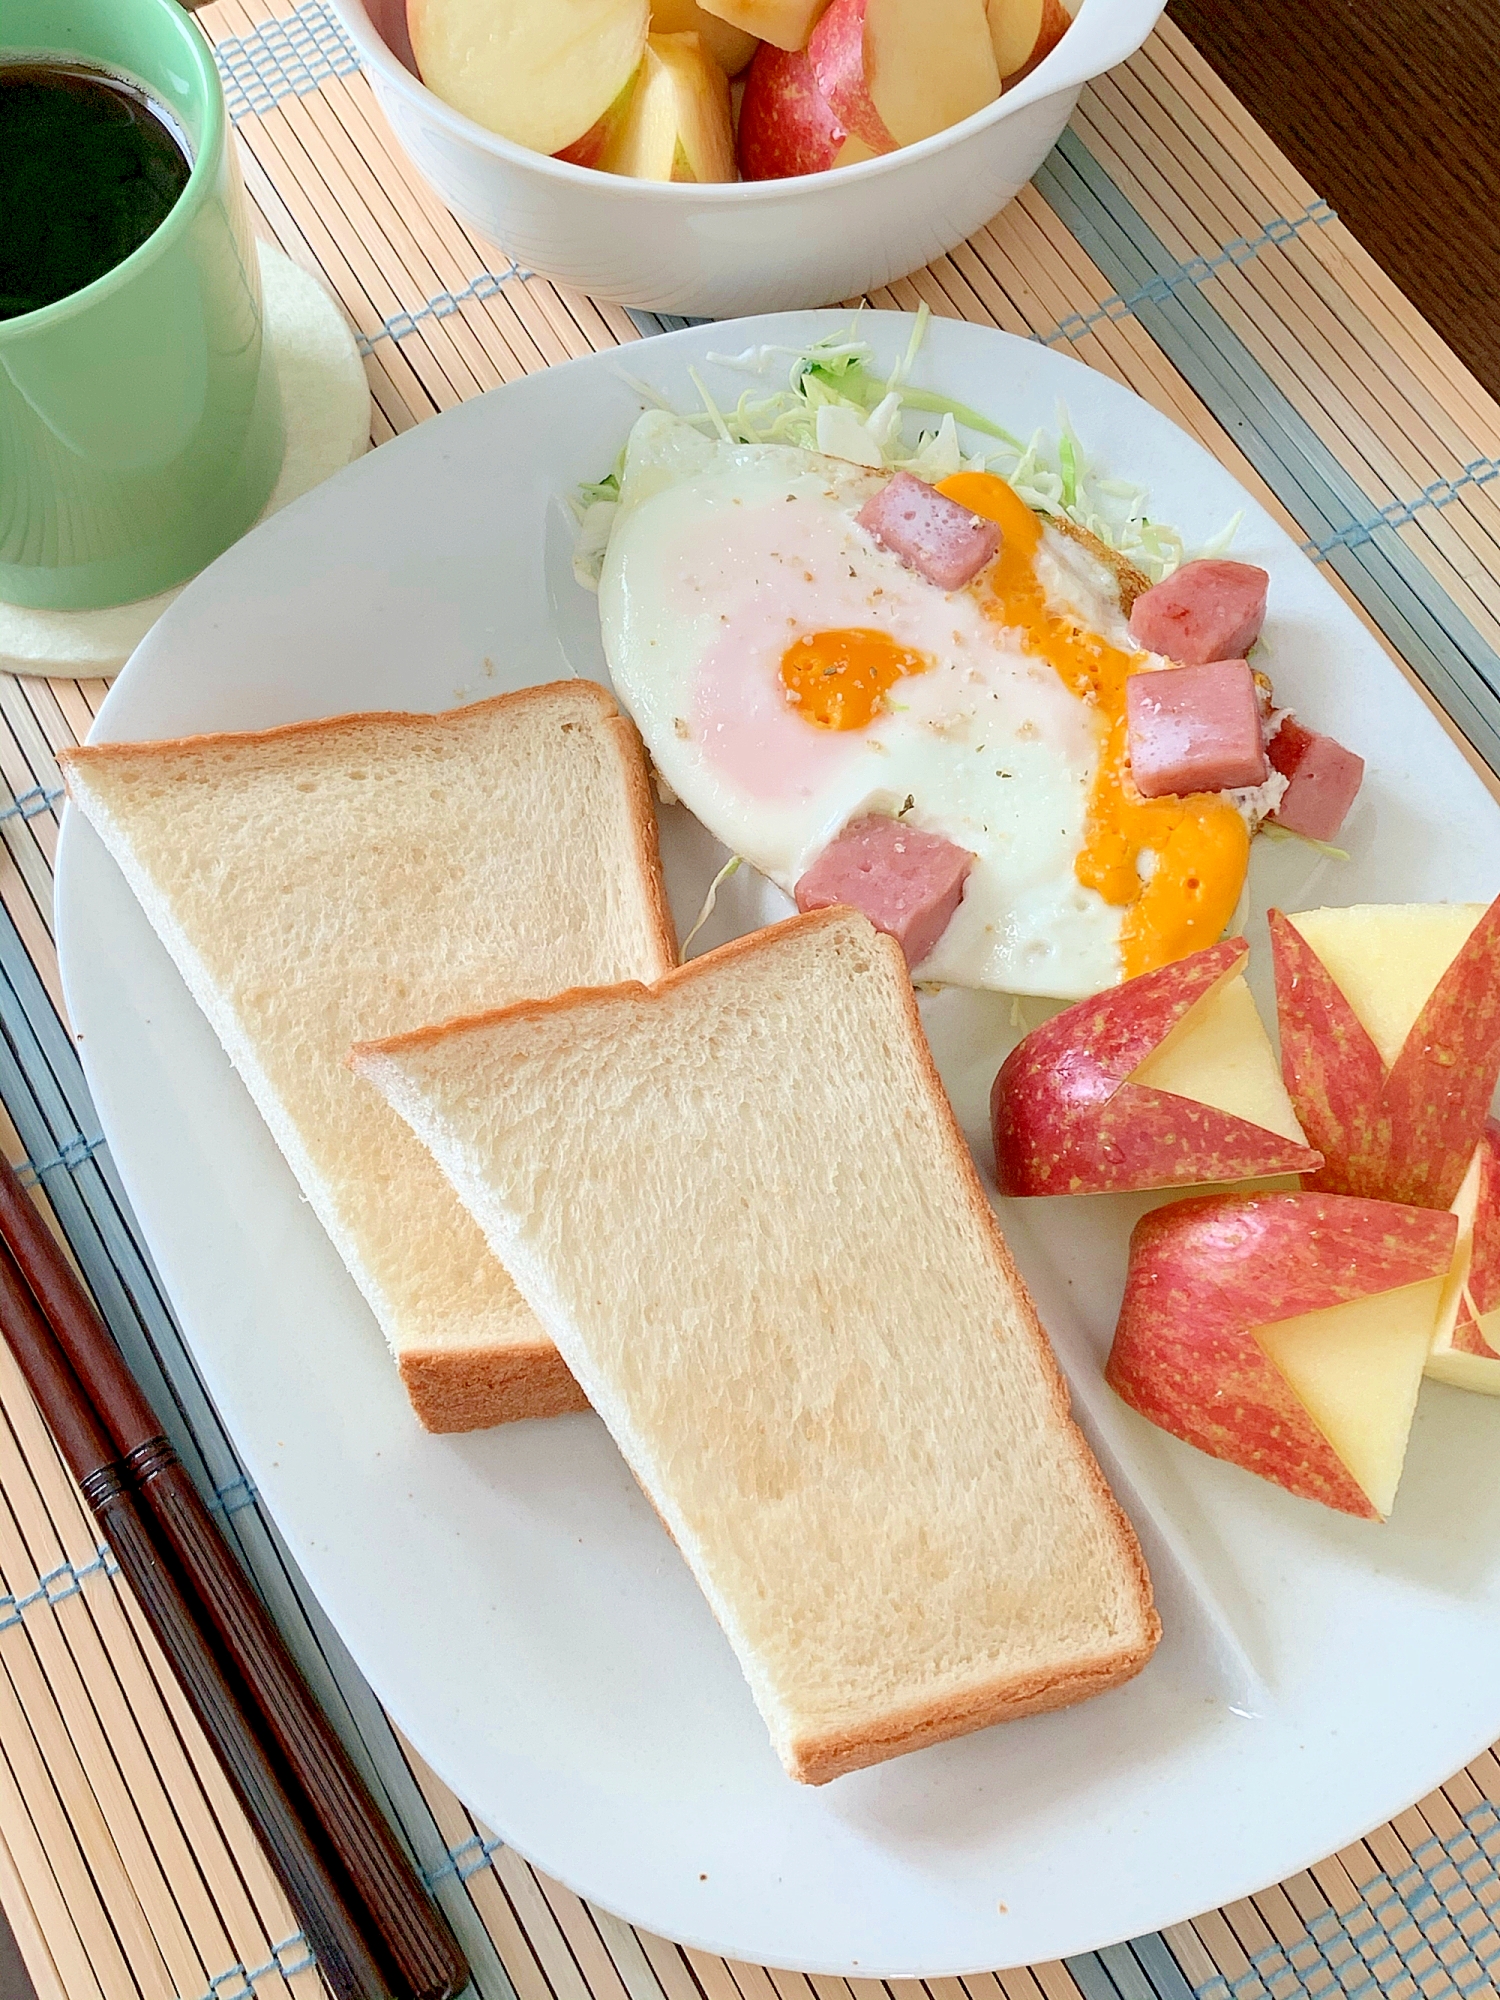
x=1274, y=832
x=731, y=867
x=837, y=403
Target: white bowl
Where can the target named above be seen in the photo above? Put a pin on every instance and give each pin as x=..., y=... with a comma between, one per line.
x=743, y=247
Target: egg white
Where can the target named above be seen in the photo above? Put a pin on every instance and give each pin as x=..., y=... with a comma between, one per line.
x=720, y=556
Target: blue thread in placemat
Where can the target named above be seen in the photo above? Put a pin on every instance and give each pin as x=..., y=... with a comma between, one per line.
x=237, y=1493
x=441, y=305
x=55, y=1586
x=467, y=1859
x=1424, y=1927
x=1396, y=514
x=1193, y=271
x=238, y=1982
x=27, y=805
x=286, y=57
x=71, y=1154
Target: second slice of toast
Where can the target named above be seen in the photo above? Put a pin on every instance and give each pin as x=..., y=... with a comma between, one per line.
x=740, y=1203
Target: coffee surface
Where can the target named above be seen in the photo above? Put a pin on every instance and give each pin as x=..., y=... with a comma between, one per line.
x=89, y=169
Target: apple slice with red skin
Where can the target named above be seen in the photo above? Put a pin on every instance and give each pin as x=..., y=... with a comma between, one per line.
x=1406, y=1132
x=1484, y=1267
x=1068, y=1119
x=604, y=133
x=895, y=71
x=1023, y=33
x=836, y=52
x=1208, y=1276
x=786, y=126
x=1466, y=1348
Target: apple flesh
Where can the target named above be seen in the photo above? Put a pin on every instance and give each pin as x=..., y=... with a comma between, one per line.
x=1023, y=32
x=542, y=76
x=1466, y=1347
x=895, y=71
x=1287, y=1334
x=1390, y=1041
x=1388, y=959
x=785, y=24
x=1166, y=1081
x=678, y=126
x=730, y=47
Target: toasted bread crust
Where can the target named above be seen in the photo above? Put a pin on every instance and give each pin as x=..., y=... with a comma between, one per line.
x=1132, y=582
x=479, y=1387
x=646, y=843
x=396, y=719
x=815, y=1760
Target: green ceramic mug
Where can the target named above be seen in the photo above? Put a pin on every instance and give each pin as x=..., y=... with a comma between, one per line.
x=140, y=421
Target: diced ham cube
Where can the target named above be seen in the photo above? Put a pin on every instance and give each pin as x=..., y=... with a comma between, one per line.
x=931, y=533
x=1204, y=611
x=1323, y=778
x=1195, y=729
x=908, y=883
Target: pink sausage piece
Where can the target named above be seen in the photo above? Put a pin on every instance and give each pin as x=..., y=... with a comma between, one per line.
x=1204, y=611
x=1323, y=780
x=908, y=883
x=1195, y=729
x=931, y=533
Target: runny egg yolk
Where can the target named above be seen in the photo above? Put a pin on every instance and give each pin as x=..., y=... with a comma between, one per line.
x=1199, y=847
x=838, y=680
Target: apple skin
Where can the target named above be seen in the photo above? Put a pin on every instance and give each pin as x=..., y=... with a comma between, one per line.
x=1406, y=1134
x=786, y=126
x=836, y=51
x=1203, y=1272
x=589, y=149
x=1468, y=1338
x=1484, y=1268
x=1066, y=1121
x=1055, y=23
x=1481, y=1292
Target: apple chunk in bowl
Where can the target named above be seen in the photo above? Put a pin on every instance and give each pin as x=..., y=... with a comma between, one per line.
x=738, y=247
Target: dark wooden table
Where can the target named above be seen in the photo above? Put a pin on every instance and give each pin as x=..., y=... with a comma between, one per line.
x=1391, y=108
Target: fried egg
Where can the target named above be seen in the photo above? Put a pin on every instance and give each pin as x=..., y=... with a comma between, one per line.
x=789, y=675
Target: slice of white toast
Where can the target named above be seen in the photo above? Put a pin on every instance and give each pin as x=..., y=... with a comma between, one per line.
x=357, y=876
x=740, y=1203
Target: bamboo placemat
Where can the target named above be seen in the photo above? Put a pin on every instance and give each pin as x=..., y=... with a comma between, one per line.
x=1165, y=242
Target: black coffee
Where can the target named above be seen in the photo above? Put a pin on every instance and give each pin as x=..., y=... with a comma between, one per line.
x=88, y=170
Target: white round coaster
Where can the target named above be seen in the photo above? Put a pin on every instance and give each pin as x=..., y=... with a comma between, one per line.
x=326, y=402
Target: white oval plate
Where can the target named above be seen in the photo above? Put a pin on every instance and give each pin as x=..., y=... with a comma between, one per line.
x=510, y=1594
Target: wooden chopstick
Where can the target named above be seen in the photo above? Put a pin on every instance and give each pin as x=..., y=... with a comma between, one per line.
x=361, y=1906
